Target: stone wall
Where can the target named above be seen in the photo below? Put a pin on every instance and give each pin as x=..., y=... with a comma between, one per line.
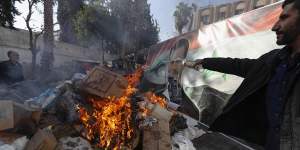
x=18, y=40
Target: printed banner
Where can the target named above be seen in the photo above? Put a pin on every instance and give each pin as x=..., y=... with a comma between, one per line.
x=247, y=35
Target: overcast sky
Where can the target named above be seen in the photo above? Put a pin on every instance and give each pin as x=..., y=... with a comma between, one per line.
x=162, y=11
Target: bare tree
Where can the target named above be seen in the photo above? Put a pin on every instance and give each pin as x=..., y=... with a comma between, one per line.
x=33, y=37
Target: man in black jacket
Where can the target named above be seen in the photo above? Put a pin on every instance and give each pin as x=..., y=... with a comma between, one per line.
x=265, y=109
x=11, y=71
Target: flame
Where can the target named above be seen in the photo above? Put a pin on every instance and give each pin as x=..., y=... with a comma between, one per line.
x=110, y=122
x=154, y=99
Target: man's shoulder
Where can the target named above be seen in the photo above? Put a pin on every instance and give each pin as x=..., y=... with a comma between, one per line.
x=274, y=52
x=271, y=54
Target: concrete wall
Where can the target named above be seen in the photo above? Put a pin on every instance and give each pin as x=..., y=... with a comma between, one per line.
x=18, y=40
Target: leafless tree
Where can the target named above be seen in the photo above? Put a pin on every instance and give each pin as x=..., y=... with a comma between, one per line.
x=33, y=37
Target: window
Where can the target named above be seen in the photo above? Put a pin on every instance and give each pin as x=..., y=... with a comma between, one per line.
x=205, y=19
x=222, y=16
x=258, y=4
x=238, y=11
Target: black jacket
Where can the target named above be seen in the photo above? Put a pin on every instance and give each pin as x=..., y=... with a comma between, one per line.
x=245, y=114
x=11, y=73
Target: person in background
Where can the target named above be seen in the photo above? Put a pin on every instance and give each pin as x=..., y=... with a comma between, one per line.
x=11, y=71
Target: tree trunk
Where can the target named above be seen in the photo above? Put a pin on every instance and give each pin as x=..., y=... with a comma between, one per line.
x=48, y=57
x=33, y=64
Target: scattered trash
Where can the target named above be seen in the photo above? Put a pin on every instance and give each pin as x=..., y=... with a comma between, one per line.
x=76, y=143
x=42, y=140
x=53, y=120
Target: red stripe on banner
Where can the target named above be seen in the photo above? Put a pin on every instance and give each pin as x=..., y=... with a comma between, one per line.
x=268, y=20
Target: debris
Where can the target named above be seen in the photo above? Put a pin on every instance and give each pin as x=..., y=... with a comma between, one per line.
x=104, y=83
x=9, y=138
x=42, y=140
x=81, y=108
x=64, y=130
x=20, y=143
x=17, y=144
x=177, y=123
x=151, y=138
x=76, y=143
x=157, y=137
x=48, y=119
x=180, y=142
x=173, y=106
x=17, y=116
x=194, y=128
x=66, y=108
x=6, y=115
x=78, y=76
x=47, y=97
x=25, y=120
x=7, y=147
x=148, y=121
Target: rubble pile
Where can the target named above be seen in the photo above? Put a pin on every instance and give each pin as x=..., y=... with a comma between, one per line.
x=102, y=110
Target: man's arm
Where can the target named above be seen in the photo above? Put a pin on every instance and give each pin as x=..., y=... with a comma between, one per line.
x=235, y=66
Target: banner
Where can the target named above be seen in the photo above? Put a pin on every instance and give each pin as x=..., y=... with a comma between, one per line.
x=247, y=35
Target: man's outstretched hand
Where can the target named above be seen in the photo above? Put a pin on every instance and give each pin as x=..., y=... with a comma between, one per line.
x=196, y=64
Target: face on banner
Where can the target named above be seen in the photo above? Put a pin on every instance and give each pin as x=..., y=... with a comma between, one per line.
x=165, y=65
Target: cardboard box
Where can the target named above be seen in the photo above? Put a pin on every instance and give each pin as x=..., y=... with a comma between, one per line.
x=6, y=115
x=14, y=114
x=158, y=137
x=104, y=83
x=42, y=140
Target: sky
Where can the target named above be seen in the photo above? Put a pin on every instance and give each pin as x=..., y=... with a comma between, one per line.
x=36, y=18
x=162, y=11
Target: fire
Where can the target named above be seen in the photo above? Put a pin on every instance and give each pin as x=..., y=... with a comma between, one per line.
x=110, y=122
x=154, y=99
x=151, y=97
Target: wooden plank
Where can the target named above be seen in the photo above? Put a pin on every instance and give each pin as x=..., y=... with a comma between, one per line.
x=104, y=83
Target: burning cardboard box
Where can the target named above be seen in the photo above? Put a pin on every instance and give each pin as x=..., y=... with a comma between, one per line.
x=104, y=83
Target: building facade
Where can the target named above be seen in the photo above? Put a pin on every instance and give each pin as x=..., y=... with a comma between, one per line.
x=210, y=14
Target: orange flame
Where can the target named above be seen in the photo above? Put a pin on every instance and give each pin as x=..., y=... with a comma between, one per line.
x=156, y=99
x=110, y=120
